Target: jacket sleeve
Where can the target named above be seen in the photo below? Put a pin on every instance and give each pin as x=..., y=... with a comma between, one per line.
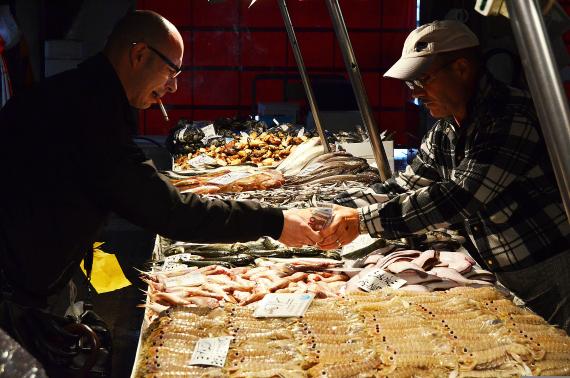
x=122, y=180
x=502, y=152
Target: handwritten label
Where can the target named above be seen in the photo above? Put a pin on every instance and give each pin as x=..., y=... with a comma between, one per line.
x=211, y=351
x=378, y=278
x=309, y=169
x=201, y=160
x=283, y=305
x=229, y=177
x=209, y=130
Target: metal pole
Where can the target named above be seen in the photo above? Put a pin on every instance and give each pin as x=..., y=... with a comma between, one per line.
x=303, y=72
x=546, y=87
x=358, y=87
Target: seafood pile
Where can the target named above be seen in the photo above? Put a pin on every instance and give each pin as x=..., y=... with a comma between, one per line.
x=423, y=271
x=214, y=284
x=263, y=149
x=264, y=247
x=227, y=181
x=463, y=332
x=309, y=195
x=310, y=165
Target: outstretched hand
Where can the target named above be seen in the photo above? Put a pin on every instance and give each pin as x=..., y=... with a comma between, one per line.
x=343, y=229
x=296, y=230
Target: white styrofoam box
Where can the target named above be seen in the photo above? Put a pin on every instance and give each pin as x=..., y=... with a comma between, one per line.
x=63, y=49
x=364, y=150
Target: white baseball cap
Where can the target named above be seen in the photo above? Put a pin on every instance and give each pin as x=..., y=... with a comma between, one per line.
x=424, y=43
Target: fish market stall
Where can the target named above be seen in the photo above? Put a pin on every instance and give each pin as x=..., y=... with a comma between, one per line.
x=374, y=308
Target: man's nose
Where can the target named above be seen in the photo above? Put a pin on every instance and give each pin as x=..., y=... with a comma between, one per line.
x=172, y=85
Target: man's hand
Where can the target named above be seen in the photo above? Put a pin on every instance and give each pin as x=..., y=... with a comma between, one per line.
x=343, y=229
x=296, y=230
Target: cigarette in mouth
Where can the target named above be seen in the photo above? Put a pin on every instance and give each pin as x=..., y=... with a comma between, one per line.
x=165, y=115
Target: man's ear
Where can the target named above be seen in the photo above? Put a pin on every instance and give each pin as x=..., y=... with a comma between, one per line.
x=137, y=55
x=462, y=67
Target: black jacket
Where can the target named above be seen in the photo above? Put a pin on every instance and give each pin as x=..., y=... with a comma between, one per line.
x=67, y=161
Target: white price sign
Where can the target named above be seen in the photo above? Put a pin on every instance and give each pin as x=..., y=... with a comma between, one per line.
x=201, y=160
x=211, y=351
x=209, y=131
x=283, y=305
x=229, y=177
x=377, y=279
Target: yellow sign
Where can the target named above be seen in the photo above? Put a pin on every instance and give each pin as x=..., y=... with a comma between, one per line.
x=106, y=274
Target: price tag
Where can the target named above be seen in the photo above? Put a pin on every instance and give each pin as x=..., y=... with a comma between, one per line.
x=377, y=279
x=301, y=132
x=229, y=177
x=361, y=241
x=276, y=122
x=283, y=305
x=211, y=351
x=201, y=160
x=309, y=169
x=209, y=131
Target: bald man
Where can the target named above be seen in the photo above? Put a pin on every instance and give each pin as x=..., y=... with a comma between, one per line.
x=68, y=161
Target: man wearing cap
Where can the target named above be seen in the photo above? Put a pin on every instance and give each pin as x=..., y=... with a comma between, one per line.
x=483, y=165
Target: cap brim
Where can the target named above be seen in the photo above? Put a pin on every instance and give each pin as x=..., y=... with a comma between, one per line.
x=410, y=68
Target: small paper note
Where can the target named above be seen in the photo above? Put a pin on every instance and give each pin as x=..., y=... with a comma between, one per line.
x=229, y=177
x=283, y=305
x=211, y=351
x=201, y=160
x=378, y=278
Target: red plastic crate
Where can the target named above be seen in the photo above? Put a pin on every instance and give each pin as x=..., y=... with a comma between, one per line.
x=177, y=12
x=216, y=48
x=154, y=123
x=183, y=96
x=393, y=93
x=263, y=49
x=362, y=13
x=391, y=47
x=372, y=87
x=309, y=14
x=399, y=14
x=366, y=47
x=216, y=87
x=223, y=14
x=261, y=14
x=316, y=49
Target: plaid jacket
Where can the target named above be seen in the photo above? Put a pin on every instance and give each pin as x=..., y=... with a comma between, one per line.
x=492, y=174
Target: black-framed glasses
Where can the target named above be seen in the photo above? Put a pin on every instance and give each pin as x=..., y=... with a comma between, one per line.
x=173, y=66
x=421, y=83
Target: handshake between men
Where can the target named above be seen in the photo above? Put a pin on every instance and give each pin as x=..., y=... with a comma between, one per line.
x=313, y=227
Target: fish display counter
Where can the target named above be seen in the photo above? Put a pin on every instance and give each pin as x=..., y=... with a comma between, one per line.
x=374, y=308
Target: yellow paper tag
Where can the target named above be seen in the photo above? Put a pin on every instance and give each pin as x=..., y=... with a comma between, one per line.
x=106, y=274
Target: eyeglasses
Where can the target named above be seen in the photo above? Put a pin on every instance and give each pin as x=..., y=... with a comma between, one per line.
x=421, y=83
x=173, y=66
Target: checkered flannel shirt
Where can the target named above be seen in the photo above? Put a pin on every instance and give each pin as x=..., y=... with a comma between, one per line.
x=492, y=175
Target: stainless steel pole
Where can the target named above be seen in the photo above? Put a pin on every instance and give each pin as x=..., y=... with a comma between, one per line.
x=546, y=87
x=303, y=72
x=358, y=87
